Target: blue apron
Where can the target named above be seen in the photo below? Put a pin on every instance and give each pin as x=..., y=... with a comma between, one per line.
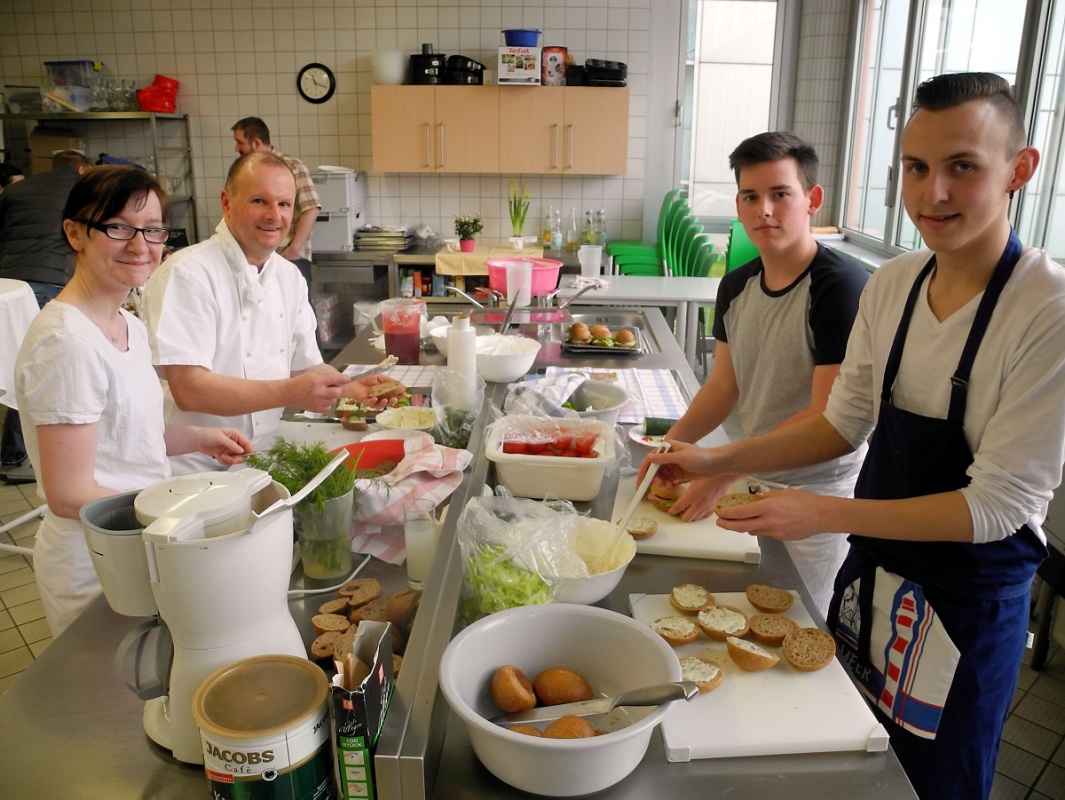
x=918, y=621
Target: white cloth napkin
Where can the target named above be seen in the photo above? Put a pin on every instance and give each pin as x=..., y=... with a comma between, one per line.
x=580, y=281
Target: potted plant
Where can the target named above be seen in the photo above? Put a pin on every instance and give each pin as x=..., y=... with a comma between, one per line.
x=518, y=205
x=467, y=226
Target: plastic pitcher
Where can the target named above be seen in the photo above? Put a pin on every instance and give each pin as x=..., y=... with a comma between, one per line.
x=591, y=258
x=401, y=323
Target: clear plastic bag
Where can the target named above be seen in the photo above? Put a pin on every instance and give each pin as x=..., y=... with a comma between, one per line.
x=457, y=399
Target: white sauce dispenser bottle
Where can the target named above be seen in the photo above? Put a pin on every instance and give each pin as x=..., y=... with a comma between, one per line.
x=462, y=347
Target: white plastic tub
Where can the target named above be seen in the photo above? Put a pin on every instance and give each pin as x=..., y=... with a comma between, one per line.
x=539, y=476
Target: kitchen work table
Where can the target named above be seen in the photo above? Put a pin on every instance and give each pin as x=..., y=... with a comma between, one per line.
x=71, y=708
x=685, y=294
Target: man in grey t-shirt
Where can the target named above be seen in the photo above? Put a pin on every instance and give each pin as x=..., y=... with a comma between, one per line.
x=781, y=324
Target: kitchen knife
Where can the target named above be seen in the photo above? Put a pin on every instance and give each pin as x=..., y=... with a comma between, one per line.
x=647, y=696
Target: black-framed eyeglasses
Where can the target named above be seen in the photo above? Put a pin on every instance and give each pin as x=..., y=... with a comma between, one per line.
x=123, y=233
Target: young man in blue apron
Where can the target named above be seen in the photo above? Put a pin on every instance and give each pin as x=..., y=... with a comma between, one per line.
x=956, y=365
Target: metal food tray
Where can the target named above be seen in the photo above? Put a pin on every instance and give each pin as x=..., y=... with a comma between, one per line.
x=600, y=350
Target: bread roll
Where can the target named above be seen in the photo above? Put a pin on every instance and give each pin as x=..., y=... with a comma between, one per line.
x=768, y=598
x=809, y=649
x=662, y=497
x=750, y=656
x=771, y=629
x=688, y=598
x=570, y=727
x=676, y=630
x=642, y=528
x=706, y=674
x=558, y=685
x=385, y=387
x=512, y=690
x=528, y=730
x=720, y=622
x=735, y=499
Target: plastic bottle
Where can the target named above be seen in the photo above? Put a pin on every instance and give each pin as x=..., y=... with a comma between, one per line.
x=549, y=223
x=462, y=347
x=600, y=227
x=573, y=232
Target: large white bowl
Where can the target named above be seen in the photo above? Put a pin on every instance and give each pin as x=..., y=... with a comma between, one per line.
x=613, y=652
x=591, y=539
x=502, y=359
x=439, y=335
x=599, y=400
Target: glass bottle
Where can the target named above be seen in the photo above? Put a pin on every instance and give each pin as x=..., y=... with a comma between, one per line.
x=588, y=231
x=549, y=221
x=573, y=233
x=600, y=227
x=556, y=231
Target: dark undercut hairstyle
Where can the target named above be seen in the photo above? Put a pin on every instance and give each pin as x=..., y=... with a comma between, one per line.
x=948, y=91
x=246, y=160
x=253, y=128
x=776, y=146
x=102, y=193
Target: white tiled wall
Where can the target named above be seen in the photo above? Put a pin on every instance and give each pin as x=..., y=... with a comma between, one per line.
x=237, y=58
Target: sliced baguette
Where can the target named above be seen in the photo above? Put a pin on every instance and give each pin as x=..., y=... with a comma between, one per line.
x=809, y=649
x=689, y=598
x=676, y=630
x=769, y=599
x=329, y=622
x=384, y=387
x=325, y=645
x=721, y=622
x=706, y=674
x=338, y=605
x=771, y=629
x=750, y=656
x=360, y=591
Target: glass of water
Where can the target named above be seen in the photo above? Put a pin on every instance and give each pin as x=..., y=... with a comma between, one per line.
x=419, y=533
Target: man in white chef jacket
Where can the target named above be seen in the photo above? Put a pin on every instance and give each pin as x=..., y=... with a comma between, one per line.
x=231, y=328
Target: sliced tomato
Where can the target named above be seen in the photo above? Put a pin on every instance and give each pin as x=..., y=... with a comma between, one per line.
x=585, y=443
x=514, y=447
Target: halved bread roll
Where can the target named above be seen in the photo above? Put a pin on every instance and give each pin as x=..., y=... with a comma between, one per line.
x=750, y=656
x=768, y=598
x=642, y=528
x=720, y=622
x=706, y=674
x=809, y=649
x=735, y=499
x=676, y=630
x=689, y=598
x=771, y=629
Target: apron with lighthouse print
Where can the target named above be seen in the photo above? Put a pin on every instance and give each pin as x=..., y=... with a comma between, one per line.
x=933, y=632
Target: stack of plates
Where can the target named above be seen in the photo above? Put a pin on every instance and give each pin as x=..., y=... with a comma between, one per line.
x=386, y=238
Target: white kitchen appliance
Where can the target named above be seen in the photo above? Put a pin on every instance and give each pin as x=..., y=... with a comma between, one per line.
x=342, y=193
x=213, y=560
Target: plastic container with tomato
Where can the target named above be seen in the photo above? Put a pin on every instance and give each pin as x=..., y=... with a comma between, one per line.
x=539, y=457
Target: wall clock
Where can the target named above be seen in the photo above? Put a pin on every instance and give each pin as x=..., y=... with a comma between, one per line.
x=316, y=83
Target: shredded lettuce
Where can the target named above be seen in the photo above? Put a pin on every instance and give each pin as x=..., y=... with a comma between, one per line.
x=495, y=582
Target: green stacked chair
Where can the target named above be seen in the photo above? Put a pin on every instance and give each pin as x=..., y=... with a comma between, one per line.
x=633, y=257
x=740, y=248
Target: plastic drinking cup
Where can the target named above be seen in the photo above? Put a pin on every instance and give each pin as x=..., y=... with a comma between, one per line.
x=419, y=534
x=591, y=258
x=519, y=283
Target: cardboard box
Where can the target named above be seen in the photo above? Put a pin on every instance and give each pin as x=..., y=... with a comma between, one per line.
x=46, y=142
x=358, y=714
x=519, y=66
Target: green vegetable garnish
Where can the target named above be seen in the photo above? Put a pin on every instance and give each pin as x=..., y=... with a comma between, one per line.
x=496, y=583
x=293, y=465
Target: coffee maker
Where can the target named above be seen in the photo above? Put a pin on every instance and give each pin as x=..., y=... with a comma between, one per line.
x=209, y=554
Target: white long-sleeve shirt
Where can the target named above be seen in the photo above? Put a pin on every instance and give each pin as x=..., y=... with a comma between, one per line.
x=1015, y=415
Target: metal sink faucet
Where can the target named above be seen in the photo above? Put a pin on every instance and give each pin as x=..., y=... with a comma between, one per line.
x=493, y=297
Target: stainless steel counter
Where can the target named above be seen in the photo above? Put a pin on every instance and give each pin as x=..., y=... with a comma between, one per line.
x=70, y=728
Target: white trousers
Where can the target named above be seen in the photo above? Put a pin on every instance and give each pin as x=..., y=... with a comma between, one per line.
x=66, y=578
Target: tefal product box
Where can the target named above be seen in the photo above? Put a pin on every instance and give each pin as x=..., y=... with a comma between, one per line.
x=519, y=66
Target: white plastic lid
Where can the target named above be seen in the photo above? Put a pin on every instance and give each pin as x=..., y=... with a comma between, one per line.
x=212, y=496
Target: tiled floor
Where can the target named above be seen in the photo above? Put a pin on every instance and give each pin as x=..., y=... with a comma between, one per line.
x=1031, y=759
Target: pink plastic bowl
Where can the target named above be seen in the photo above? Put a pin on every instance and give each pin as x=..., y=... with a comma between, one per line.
x=544, y=274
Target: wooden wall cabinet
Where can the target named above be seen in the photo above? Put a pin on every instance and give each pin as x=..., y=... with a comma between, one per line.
x=574, y=130
x=435, y=128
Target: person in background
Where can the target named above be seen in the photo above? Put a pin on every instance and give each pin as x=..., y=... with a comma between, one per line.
x=92, y=406
x=34, y=249
x=252, y=136
x=231, y=327
x=781, y=325
x=956, y=365
x=9, y=174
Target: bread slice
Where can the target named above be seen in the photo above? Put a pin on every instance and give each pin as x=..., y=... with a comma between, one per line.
x=689, y=598
x=771, y=629
x=384, y=387
x=750, y=656
x=721, y=622
x=329, y=622
x=706, y=673
x=676, y=630
x=338, y=605
x=642, y=528
x=768, y=598
x=360, y=591
x=325, y=645
x=735, y=499
x=809, y=649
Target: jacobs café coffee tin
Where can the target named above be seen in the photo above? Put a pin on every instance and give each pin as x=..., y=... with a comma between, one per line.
x=265, y=731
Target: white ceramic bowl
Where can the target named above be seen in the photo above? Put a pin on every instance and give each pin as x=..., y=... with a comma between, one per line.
x=439, y=335
x=591, y=539
x=613, y=652
x=599, y=400
x=502, y=359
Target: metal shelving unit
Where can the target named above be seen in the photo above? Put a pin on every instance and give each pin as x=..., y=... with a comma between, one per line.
x=173, y=161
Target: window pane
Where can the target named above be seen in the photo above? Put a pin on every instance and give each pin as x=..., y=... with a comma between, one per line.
x=732, y=71
x=965, y=36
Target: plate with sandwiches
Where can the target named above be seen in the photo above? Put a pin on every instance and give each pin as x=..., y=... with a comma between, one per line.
x=583, y=339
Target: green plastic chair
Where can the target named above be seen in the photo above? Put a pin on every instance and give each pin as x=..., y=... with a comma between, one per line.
x=682, y=246
x=671, y=207
x=740, y=248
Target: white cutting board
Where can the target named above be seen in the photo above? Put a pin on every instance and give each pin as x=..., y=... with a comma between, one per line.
x=675, y=537
x=773, y=712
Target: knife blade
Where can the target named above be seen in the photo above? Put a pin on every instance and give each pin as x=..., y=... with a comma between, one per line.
x=647, y=696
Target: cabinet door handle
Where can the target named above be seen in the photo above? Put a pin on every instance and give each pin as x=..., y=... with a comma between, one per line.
x=428, y=162
x=554, y=146
x=441, y=125
x=569, y=155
